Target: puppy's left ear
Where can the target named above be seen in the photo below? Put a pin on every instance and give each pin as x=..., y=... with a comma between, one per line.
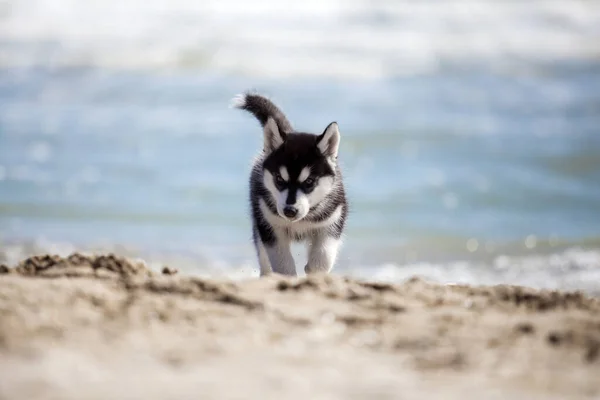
x=329, y=141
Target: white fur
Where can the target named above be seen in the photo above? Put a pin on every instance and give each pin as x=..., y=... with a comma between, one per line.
x=304, y=174
x=263, y=258
x=284, y=173
x=238, y=101
x=302, y=204
x=322, y=253
x=280, y=257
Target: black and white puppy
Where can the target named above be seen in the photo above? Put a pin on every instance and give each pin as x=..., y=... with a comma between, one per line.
x=296, y=192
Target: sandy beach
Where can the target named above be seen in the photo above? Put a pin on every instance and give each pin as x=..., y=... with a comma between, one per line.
x=469, y=265
x=99, y=327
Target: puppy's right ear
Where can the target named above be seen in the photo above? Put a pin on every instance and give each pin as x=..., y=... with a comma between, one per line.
x=273, y=137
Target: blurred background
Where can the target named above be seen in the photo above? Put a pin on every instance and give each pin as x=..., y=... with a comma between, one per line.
x=470, y=131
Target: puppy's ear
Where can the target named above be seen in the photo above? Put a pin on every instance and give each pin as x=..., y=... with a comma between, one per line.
x=329, y=141
x=273, y=137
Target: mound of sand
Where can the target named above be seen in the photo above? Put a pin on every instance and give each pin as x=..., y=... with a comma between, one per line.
x=105, y=328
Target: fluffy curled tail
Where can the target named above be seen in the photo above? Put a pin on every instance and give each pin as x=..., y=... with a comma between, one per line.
x=263, y=109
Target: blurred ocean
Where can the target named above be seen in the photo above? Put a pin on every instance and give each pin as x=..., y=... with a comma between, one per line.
x=470, y=131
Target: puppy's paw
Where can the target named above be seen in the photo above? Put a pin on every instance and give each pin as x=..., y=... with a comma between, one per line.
x=315, y=269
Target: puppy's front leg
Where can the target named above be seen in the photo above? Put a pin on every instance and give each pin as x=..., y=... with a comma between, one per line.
x=322, y=253
x=280, y=256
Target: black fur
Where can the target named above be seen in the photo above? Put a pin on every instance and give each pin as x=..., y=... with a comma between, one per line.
x=257, y=192
x=262, y=108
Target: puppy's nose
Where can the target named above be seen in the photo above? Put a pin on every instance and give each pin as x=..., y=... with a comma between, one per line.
x=290, y=211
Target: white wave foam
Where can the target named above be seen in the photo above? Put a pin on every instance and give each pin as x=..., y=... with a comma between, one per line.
x=291, y=38
x=572, y=269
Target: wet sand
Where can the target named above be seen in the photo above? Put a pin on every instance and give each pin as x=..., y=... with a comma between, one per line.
x=105, y=328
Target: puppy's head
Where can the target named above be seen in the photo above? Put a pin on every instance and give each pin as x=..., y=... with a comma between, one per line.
x=299, y=168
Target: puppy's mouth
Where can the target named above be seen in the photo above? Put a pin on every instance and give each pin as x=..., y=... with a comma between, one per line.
x=291, y=219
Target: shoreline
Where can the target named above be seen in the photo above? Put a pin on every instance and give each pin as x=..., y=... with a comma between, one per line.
x=99, y=327
x=571, y=268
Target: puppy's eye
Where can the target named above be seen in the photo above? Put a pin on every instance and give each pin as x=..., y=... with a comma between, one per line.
x=309, y=182
x=279, y=179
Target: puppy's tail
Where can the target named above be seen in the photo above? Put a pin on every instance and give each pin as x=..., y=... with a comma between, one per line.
x=262, y=108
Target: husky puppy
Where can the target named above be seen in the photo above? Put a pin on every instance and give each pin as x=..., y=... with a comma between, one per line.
x=296, y=191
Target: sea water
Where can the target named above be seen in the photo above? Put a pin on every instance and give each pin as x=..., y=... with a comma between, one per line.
x=470, y=131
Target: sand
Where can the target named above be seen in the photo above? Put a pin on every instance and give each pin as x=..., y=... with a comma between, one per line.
x=103, y=327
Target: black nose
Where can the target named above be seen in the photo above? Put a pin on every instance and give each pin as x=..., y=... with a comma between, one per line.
x=290, y=211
